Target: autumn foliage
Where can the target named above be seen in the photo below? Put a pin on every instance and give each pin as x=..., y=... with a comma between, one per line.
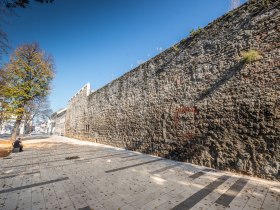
x=24, y=79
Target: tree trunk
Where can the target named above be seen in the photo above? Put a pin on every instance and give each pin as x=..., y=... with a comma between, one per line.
x=16, y=128
x=1, y=119
x=26, y=127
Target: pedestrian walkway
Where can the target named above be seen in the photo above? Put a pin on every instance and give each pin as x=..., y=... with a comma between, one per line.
x=64, y=173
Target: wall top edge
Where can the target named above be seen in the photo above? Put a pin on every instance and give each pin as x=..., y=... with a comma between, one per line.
x=86, y=87
x=188, y=39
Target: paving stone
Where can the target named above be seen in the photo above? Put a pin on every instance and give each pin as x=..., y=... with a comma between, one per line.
x=11, y=201
x=165, y=184
x=157, y=202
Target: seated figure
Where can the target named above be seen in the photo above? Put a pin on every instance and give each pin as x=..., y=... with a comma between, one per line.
x=17, y=144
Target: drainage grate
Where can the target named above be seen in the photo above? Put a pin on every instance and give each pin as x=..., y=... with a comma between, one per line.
x=72, y=157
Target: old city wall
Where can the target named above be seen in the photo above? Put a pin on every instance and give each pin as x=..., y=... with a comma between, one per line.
x=198, y=101
x=76, y=113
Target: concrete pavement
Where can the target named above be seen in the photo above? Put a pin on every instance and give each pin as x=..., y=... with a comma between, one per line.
x=64, y=173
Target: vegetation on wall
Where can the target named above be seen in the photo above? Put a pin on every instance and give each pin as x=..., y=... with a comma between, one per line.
x=194, y=32
x=250, y=56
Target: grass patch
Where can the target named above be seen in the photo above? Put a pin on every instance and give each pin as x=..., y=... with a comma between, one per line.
x=5, y=148
x=250, y=56
x=175, y=47
x=194, y=32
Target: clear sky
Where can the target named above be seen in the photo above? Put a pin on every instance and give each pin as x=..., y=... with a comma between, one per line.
x=97, y=41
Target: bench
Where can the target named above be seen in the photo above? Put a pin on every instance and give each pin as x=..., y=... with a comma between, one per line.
x=15, y=150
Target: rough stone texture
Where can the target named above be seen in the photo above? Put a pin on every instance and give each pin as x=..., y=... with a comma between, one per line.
x=198, y=101
x=77, y=113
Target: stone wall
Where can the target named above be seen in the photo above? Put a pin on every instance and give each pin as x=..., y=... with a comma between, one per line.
x=77, y=110
x=198, y=101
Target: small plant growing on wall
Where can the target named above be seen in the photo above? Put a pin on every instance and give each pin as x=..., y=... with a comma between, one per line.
x=175, y=47
x=194, y=32
x=250, y=56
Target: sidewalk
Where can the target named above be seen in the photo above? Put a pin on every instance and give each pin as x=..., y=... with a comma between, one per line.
x=64, y=173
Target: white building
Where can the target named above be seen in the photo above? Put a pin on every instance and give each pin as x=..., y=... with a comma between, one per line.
x=56, y=125
x=8, y=125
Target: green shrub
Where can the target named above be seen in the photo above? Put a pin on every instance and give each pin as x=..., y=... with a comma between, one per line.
x=194, y=32
x=175, y=47
x=250, y=56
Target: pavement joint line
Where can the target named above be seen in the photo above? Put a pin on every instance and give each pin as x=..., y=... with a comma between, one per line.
x=136, y=158
x=56, y=160
x=101, y=156
x=200, y=173
x=48, y=154
x=226, y=198
x=165, y=168
x=75, y=161
x=129, y=156
x=198, y=196
x=21, y=174
x=138, y=164
x=39, y=156
x=196, y=175
x=85, y=208
x=28, y=164
x=57, y=166
x=125, y=156
x=62, y=165
x=33, y=185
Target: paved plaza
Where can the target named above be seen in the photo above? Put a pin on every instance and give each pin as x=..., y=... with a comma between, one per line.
x=64, y=173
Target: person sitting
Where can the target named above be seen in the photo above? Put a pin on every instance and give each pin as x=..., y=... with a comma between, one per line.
x=17, y=144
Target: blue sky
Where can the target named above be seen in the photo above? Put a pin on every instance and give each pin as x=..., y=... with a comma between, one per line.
x=98, y=41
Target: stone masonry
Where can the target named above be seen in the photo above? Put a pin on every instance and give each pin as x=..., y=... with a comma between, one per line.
x=198, y=101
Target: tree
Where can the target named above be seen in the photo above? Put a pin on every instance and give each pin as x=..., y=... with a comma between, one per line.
x=5, y=108
x=4, y=13
x=4, y=111
x=24, y=79
x=7, y=9
x=22, y=3
x=39, y=108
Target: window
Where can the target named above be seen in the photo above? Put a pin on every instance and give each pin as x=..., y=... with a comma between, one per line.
x=87, y=128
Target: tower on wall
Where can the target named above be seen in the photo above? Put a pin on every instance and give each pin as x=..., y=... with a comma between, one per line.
x=75, y=116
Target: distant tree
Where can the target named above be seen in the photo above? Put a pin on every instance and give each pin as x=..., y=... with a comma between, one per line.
x=39, y=108
x=24, y=79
